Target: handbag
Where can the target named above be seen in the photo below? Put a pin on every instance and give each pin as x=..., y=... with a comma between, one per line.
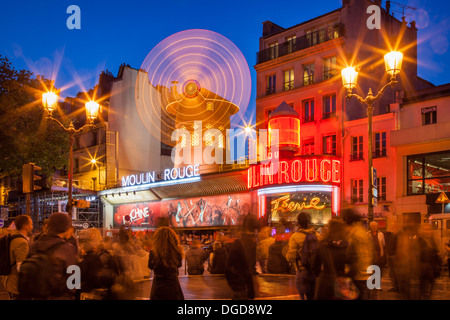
x=344, y=288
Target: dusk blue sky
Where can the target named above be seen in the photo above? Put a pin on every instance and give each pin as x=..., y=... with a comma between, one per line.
x=34, y=35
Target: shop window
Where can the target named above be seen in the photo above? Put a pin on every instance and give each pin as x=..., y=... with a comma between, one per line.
x=329, y=106
x=357, y=191
x=357, y=148
x=428, y=173
x=308, y=111
x=380, y=145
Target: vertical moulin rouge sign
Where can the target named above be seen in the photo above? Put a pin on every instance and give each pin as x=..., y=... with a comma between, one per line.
x=140, y=215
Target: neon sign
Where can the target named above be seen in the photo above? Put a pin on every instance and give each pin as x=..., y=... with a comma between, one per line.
x=284, y=204
x=168, y=174
x=295, y=170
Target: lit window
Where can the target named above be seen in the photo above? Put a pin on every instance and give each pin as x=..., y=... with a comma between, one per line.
x=209, y=139
x=288, y=83
x=329, y=68
x=195, y=139
x=290, y=41
x=308, y=74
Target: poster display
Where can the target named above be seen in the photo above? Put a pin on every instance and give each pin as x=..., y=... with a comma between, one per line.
x=137, y=215
x=210, y=211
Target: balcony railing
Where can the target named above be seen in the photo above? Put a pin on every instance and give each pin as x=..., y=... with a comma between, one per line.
x=308, y=119
x=356, y=156
x=379, y=153
x=300, y=43
x=288, y=85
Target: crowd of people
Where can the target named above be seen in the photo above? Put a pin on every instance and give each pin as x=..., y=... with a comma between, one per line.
x=330, y=263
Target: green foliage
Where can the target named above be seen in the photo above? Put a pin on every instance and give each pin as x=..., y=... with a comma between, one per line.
x=25, y=134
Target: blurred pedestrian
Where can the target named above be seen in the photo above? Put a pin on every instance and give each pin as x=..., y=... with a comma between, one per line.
x=102, y=273
x=303, y=241
x=359, y=251
x=378, y=244
x=195, y=258
x=165, y=259
x=46, y=278
x=218, y=259
x=265, y=239
x=276, y=260
x=239, y=273
x=19, y=246
x=391, y=247
x=330, y=261
x=430, y=262
x=407, y=259
x=249, y=236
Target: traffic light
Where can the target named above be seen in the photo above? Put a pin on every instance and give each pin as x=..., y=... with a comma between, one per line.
x=28, y=178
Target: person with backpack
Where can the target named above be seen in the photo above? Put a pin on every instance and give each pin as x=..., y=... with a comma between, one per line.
x=43, y=275
x=302, y=247
x=15, y=247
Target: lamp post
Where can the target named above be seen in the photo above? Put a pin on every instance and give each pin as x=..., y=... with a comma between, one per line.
x=393, y=64
x=49, y=101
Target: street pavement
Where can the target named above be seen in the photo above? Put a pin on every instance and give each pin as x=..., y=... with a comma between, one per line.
x=268, y=287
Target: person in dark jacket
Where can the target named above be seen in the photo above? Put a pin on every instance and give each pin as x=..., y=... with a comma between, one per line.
x=276, y=262
x=218, y=259
x=330, y=260
x=56, y=243
x=239, y=273
x=195, y=258
x=165, y=259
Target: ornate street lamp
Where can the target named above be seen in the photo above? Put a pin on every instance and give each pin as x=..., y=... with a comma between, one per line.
x=49, y=101
x=393, y=64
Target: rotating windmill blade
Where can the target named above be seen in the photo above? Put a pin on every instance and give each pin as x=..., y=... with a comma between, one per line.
x=193, y=75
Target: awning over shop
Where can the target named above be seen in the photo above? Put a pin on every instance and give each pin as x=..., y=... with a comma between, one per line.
x=207, y=185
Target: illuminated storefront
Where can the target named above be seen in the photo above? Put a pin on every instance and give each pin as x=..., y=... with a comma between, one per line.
x=297, y=184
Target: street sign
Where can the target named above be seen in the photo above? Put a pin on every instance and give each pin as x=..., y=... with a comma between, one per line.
x=442, y=198
x=375, y=187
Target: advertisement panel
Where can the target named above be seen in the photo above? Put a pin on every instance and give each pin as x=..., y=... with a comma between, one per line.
x=287, y=206
x=137, y=215
x=211, y=211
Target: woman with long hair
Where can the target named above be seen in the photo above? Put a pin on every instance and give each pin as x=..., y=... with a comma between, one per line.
x=165, y=258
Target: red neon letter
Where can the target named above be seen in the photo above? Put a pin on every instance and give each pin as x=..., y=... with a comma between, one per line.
x=296, y=170
x=283, y=172
x=336, y=171
x=325, y=174
x=311, y=173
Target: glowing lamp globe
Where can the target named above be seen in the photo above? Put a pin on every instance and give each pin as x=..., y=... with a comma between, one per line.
x=284, y=126
x=349, y=78
x=92, y=109
x=393, y=62
x=49, y=100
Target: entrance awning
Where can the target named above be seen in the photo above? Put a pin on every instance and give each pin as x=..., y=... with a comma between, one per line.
x=208, y=185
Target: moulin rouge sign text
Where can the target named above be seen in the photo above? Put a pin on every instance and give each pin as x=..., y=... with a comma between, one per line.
x=295, y=170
